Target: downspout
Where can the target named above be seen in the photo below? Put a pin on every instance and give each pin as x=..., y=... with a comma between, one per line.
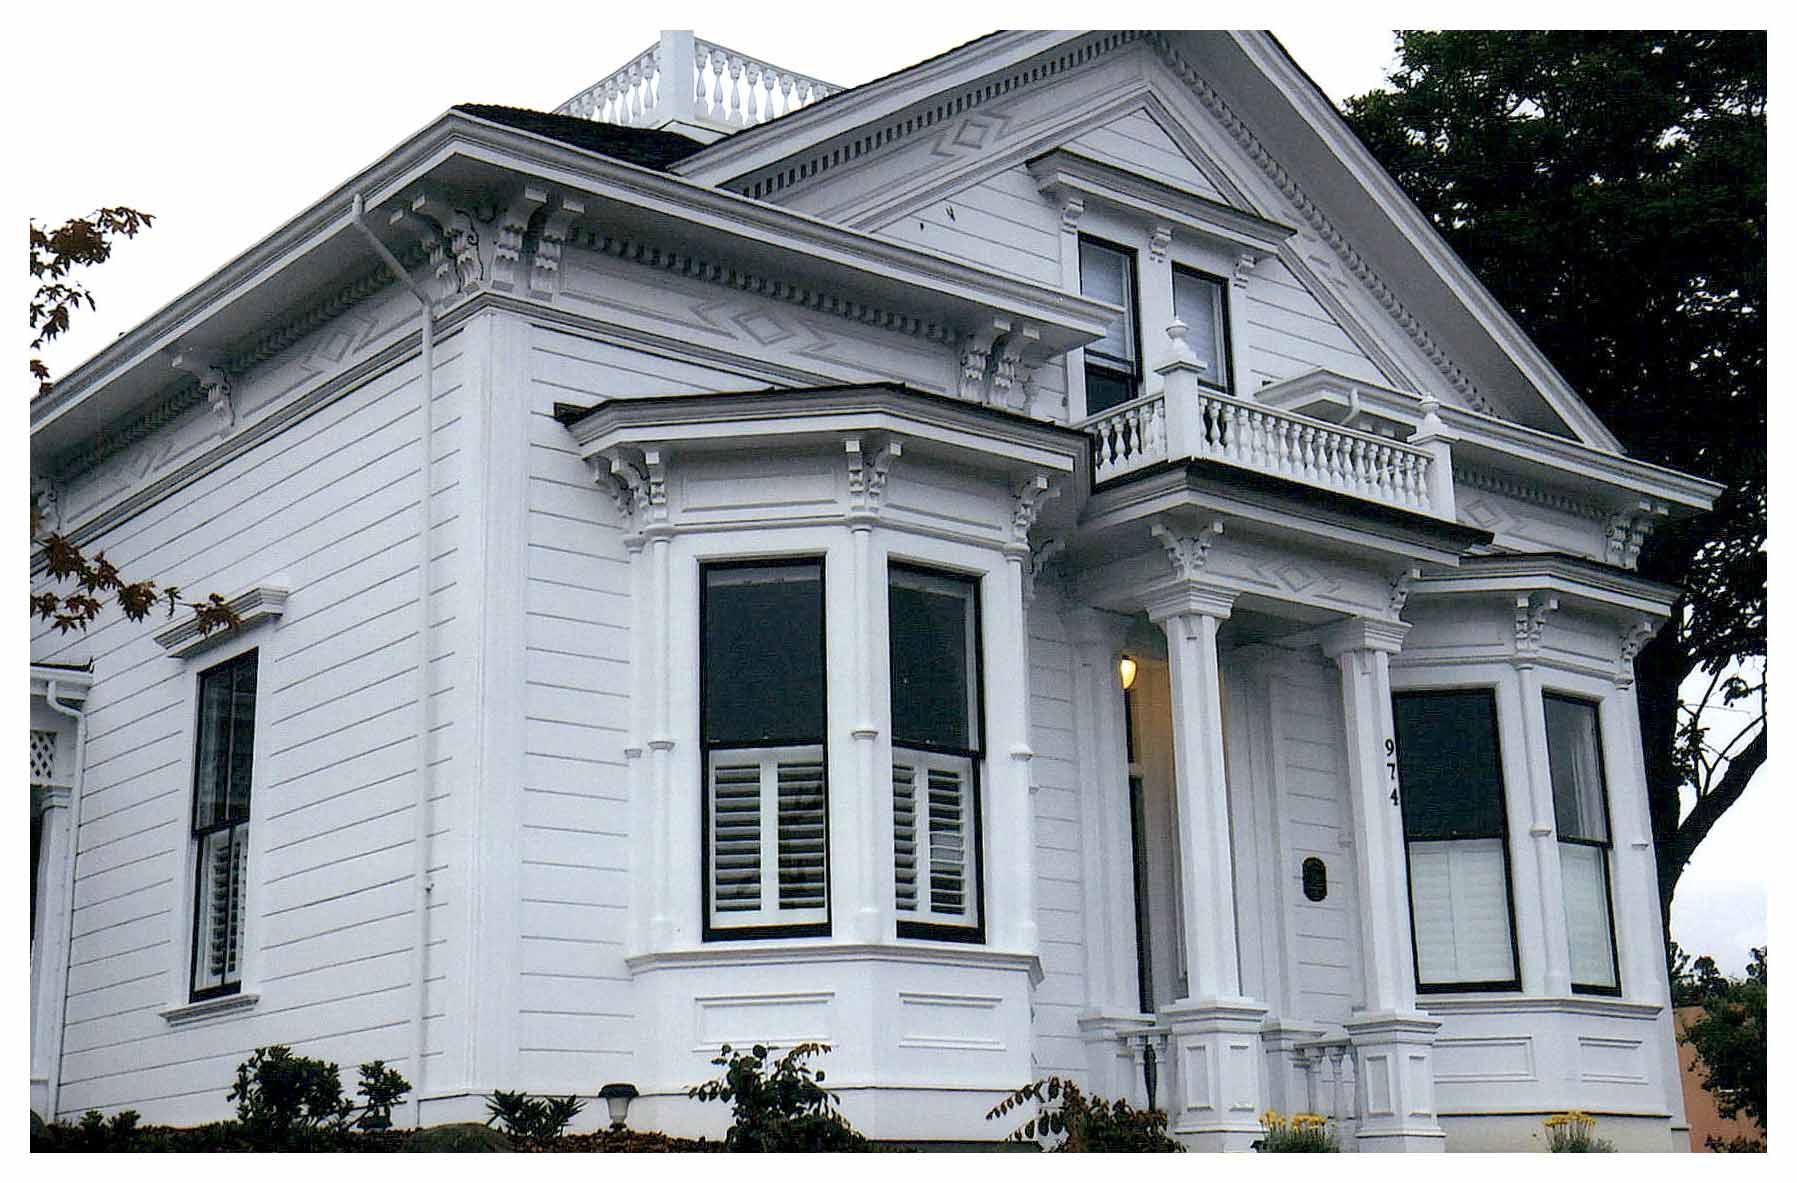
x=421, y=806
x=53, y=1087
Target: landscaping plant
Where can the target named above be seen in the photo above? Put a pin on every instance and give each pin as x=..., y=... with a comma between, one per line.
x=785, y=1108
x=1301, y=1133
x=1572, y=1132
x=1086, y=1125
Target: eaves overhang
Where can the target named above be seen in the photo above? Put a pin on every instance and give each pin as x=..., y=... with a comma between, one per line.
x=72, y=682
x=1324, y=518
x=773, y=417
x=1572, y=579
x=1067, y=172
x=301, y=261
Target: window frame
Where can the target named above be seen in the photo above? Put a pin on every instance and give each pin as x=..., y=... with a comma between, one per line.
x=1607, y=846
x=1137, y=375
x=1514, y=983
x=810, y=928
x=1225, y=337
x=974, y=933
x=197, y=837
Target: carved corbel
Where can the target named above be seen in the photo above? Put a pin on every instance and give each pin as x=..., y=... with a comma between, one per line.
x=1531, y=613
x=214, y=382
x=976, y=352
x=546, y=263
x=1400, y=588
x=1028, y=496
x=1634, y=635
x=1159, y=239
x=1188, y=552
x=1071, y=210
x=1628, y=532
x=508, y=238
x=870, y=462
x=46, y=498
x=428, y=216
x=1007, y=391
x=1245, y=263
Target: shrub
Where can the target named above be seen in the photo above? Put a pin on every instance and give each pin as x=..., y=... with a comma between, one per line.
x=462, y=1137
x=289, y=1102
x=1571, y=1133
x=532, y=1119
x=1301, y=1133
x=782, y=1109
x=1086, y=1124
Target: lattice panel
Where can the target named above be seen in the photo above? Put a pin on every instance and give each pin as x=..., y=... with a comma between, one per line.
x=43, y=756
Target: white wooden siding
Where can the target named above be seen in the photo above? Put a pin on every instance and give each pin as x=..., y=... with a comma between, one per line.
x=1137, y=144
x=1060, y=894
x=1001, y=223
x=330, y=506
x=1287, y=332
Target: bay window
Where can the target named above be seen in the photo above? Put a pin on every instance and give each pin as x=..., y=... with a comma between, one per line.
x=1114, y=362
x=1582, y=820
x=223, y=763
x=762, y=737
x=1452, y=793
x=937, y=746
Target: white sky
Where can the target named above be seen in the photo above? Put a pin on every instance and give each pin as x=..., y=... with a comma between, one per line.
x=225, y=122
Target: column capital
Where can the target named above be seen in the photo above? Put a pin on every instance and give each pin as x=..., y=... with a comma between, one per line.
x=1188, y=599
x=1363, y=633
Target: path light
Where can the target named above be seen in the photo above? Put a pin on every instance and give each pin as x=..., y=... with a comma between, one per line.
x=617, y=1098
x=1126, y=669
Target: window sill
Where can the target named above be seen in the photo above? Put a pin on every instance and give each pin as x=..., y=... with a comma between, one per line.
x=1585, y=1004
x=210, y=1008
x=815, y=952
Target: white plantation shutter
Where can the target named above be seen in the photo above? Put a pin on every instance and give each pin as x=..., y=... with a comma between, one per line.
x=1461, y=912
x=220, y=948
x=769, y=833
x=933, y=837
x=1587, y=914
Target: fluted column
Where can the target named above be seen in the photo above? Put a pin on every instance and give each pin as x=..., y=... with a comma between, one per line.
x=1392, y=1038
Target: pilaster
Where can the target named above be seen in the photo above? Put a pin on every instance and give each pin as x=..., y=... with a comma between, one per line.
x=1396, y=1073
x=1215, y=1053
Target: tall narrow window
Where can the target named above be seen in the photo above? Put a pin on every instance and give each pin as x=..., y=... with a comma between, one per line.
x=762, y=724
x=936, y=750
x=224, y=757
x=1452, y=792
x=1201, y=301
x=1582, y=817
x=1113, y=363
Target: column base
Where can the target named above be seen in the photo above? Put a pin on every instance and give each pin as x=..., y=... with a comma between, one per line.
x=1110, y=1061
x=1395, y=1070
x=1215, y=1051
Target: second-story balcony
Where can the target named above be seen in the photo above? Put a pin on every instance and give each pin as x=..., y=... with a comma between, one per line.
x=1185, y=420
x=697, y=87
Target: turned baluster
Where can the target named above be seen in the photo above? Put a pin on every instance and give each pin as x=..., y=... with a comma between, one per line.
x=1157, y=428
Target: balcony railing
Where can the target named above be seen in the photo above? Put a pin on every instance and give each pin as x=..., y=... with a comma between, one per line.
x=1186, y=421
x=684, y=79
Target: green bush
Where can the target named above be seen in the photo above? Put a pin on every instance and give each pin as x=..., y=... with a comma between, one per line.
x=462, y=1137
x=1086, y=1125
x=532, y=1119
x=289, y=1102
x=781, y=1109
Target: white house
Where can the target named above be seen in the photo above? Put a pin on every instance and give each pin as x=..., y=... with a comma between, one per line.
x=1040, y=564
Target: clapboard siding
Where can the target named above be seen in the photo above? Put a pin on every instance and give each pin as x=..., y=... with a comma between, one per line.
x=1001, y=223
x=1310, y=744
x=1060, y=895
x=329, y=507
x=1286, y=332
x=1137, y=144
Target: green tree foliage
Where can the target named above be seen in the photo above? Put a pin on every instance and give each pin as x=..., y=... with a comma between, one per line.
x=55, y=254
x=1610, y=189
x=1730, y=1041
x=779, y=1109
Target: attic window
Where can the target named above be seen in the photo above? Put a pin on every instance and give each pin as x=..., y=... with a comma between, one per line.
x=1114, y=361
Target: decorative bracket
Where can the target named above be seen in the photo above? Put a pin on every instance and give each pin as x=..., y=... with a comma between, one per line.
x=976, y=352
x=1532, y=610
x=1160, y=237
x=1071, y=210
x=546, y=264
x=508, y=240
x=46, y=495
x=1007, y=391
x=638, y=481
x=1187, y=552
x=1628, y=532
x=1245, y=262
x=1634, y=635
x=1028, y=497
x=1400, y=588
x=214, y=382
x=1039, y=559
x=867, y=474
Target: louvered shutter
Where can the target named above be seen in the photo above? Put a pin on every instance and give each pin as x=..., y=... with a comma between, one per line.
x=769, y=837
x=1461, y=913
x=220, y=948
x=933, y=837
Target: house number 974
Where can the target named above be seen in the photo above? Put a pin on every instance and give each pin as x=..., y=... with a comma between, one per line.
x=1391, y=767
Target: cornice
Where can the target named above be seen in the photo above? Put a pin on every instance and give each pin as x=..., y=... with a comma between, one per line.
x=1062, y=170
x=262, y=604
x=1510, y=575
x=1357, y=265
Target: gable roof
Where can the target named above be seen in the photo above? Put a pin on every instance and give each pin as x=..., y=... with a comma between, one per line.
x=650, y=147
x=1352, y=201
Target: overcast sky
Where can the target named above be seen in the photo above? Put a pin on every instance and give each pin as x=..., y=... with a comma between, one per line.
x=225, y=122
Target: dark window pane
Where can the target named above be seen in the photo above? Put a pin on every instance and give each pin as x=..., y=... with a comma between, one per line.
x=1106, y=388
x=1108, y=274
x=1448, y=764
x=934, y=671
x=1576, y=768
x=764, y=654
x=226, y=745
x=1198, y=301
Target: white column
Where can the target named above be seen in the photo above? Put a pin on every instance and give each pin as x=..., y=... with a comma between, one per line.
x=666, y=928
x=1012, y=813
x=1393, y=1040
x=1544, y=847
x=49, y=944
x=1216, y=1048
x=869, y=887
